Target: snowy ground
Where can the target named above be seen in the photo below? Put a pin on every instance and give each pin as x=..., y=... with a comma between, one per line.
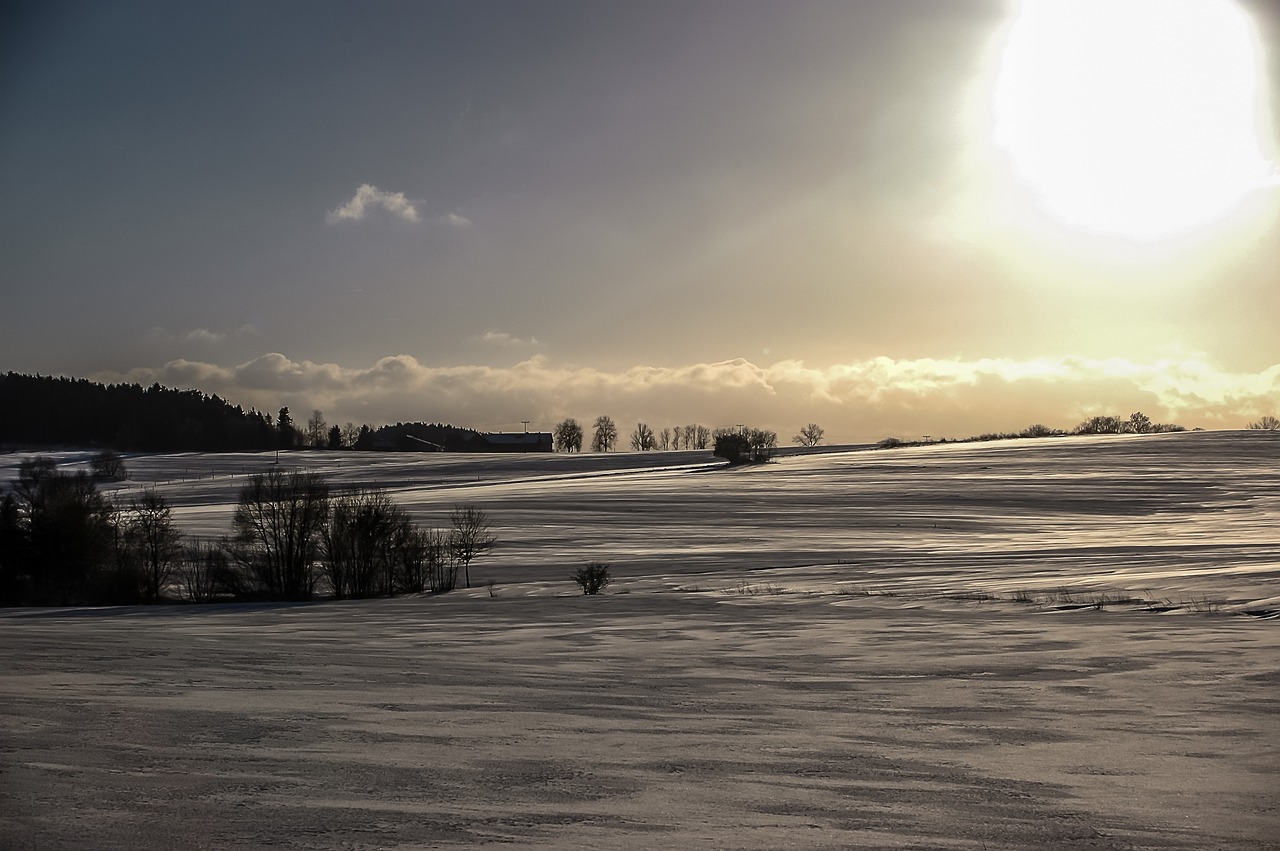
x=920, y=648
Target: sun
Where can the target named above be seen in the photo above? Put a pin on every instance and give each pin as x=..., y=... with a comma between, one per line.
x=1138, y=119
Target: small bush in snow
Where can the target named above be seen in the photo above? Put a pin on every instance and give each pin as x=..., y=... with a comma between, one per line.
x=593, y=578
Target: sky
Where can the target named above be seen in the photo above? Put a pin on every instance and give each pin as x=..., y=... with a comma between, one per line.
x=939, y=217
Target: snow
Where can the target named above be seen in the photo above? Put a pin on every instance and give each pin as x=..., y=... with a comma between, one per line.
x=897, y=649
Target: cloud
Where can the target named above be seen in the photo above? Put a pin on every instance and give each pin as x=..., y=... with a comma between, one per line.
x=455, y=220
x=369, y=197
x=505, y=340
x=200, y=335
x=855, y=402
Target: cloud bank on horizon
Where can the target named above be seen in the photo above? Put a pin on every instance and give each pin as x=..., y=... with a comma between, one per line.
x=719, y=211
x=855, y=402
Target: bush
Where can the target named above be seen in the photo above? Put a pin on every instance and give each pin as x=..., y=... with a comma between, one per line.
x=593, y=578
x=889, y=443
x=108, y=466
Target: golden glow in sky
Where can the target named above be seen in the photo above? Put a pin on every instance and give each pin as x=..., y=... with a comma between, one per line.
x=1138, y=119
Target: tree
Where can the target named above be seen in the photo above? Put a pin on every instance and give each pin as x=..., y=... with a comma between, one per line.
x=1038, y=430
x=642, y=439
x=278, y=524
x=317, y=430
x=13, y=553
x=567, y=436
x=421, y=561
x=286, y=434
x=593, y=578
x=203, y=572
x=664, y=440
x=108, y=466
x=1139, y=423
x=606, y=435
x=810, y=435
x=762, y=444
x=469, y=537
x=1267, y=423
x=154, y=540
x=66, y=532
x=335, y=437
x=1101, y=425
x=350, y=434
x=359, y=540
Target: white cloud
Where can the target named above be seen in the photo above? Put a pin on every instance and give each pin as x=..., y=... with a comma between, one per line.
x=160, y=334
x=854, y=402
x=505, y=340
x=369, y=197
x=204, y=335
x=455, y=220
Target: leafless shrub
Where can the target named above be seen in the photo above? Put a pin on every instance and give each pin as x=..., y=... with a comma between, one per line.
x=593, y=578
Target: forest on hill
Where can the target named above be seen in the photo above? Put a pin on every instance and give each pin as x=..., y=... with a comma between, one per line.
x=39, y=411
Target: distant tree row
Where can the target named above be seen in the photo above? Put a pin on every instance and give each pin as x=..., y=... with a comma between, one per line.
x=569, y=436
x=62, y=542
x=1137, y=423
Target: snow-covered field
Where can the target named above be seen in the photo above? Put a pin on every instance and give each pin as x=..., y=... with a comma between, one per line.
x=934, y=647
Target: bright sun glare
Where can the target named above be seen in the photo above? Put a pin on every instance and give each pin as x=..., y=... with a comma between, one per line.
x=1137, y=119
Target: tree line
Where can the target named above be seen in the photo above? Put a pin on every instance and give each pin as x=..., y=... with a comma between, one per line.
x=62, y=542
x=38, y=410
x=42, y=411
x=568, y=436
x=1135, y=423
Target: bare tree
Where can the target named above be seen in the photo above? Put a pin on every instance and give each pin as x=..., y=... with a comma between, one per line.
x=606, y=435
x=422, y=561
x=201, y=571
x=358, y=544
x=278, y=523
x=1101, y=425
x=469, y=537
x=1267, y=423
x=664, y=439
x=642, y=439
x=317, y=430
x=567, y=436
x=350, y=434
x=153, y=538
x=810, y=435
x=701, y=437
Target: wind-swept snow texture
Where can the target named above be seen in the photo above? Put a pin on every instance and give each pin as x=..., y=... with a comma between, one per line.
x=842, y=649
